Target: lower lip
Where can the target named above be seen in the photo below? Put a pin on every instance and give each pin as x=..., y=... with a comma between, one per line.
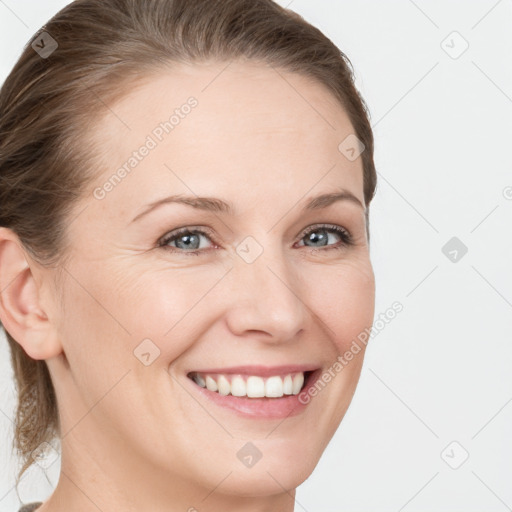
x=266, y=408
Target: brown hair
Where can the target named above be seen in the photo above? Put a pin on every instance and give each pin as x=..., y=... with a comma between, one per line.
x=54, y=93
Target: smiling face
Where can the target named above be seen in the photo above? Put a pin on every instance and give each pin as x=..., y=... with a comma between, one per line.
x=253, y=279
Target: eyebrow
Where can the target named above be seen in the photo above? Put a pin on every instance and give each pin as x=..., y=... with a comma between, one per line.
x=215, y=205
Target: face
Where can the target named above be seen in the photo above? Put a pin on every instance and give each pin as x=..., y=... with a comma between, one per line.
x=268, y=287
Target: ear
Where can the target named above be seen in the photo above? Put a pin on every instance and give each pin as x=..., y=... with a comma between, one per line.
x=23, y=313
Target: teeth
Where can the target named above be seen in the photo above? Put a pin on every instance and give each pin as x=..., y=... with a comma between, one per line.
x=274, y=387
x=288, y=385
x=255, y=387
x=252, y=386
x=298, y=380
x=200, y=381
x=238, y=387
x=210, y=383
x=224, y=387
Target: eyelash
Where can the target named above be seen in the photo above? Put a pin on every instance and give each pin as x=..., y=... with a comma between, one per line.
x=346, y=238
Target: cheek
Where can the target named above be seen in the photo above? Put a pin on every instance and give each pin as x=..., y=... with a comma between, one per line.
x=343, y=297
x=170, y=307
x=174, y=307
x=112, y=312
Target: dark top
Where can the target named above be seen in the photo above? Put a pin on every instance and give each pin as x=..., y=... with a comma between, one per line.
x=30, y=507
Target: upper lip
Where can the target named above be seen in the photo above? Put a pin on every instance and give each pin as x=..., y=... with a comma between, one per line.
x=260, y=370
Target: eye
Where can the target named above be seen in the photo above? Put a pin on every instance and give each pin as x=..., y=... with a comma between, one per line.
x=319, y=235
x=188, y=240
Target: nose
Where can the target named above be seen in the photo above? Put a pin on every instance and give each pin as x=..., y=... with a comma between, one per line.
x=266, y=300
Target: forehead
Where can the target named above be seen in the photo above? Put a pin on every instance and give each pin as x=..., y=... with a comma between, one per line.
x=227, y=126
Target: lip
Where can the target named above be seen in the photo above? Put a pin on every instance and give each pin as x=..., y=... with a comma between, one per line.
x=258, y=370
x=259, y=408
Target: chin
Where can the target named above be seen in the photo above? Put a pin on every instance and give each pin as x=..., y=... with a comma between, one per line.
x=280, y=468
x=248, y=484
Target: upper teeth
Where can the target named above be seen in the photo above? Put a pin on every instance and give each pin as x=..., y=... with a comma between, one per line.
x=251, y=386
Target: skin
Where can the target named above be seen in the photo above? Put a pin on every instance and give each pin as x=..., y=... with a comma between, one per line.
x=134, y=438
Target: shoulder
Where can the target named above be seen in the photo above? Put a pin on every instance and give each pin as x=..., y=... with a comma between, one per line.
x=30, y=507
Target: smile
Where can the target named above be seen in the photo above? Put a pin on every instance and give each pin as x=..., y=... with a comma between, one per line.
x=251, y=386
x=256, y=391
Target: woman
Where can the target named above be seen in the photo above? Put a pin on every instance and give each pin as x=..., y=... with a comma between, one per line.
x=184, y=251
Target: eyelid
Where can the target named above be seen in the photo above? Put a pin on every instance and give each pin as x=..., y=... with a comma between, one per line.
x=175, y=233
x=342, y=232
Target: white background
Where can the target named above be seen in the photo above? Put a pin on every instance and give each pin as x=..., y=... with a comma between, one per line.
x=441, y=371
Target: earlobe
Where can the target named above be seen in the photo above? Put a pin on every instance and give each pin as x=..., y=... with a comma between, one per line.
x=22, y=312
